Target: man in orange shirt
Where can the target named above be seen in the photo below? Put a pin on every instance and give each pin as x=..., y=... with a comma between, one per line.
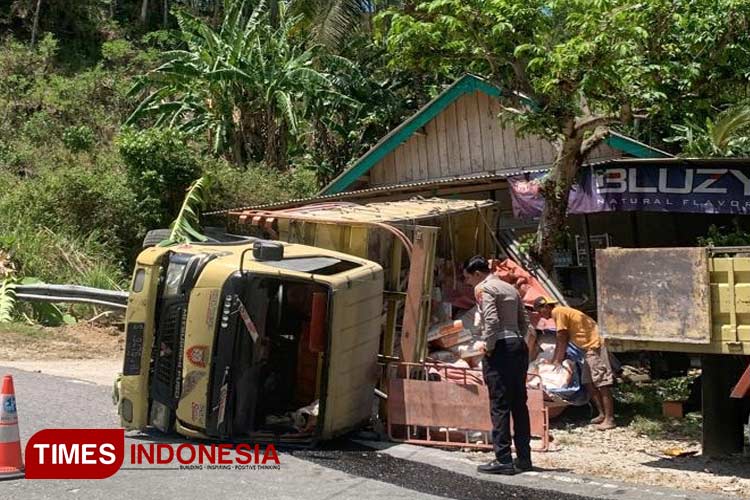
x=574, y=326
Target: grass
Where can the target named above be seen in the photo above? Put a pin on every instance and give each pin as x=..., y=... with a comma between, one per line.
x=686, y=428
x=24, y=329
x=639, y=407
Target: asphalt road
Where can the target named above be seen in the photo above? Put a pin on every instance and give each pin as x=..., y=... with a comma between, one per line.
x=340, y=470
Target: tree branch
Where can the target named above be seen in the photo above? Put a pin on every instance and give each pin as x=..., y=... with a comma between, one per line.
x=592, y=122
x=594, y=139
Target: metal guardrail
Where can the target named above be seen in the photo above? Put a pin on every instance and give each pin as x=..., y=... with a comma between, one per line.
x=72, y=294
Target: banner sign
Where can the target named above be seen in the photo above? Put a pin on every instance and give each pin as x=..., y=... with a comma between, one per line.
x=650, y=188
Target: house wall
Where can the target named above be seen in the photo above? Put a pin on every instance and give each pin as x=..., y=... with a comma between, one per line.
x=467, y=138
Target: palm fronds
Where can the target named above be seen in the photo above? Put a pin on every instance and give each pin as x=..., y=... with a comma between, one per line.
x=186, y=227
x=332, y=21
x=727, y=135
x=238, y=83
x=728, y=126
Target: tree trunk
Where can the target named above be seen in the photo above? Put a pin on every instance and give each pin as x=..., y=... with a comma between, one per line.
x=35, y=26
x=166, y=14
x=112, y=8
x=556, y=189
x=276, y=143
x=144, y=12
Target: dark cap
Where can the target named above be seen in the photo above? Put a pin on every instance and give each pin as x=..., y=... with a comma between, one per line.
x=543, y=301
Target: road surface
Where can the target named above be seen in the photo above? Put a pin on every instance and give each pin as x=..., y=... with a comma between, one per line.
x=341, y=470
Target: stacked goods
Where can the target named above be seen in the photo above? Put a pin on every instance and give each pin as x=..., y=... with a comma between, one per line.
x=528, y=288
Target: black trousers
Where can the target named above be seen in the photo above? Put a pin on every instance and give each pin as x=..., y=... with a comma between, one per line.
x=505, y=376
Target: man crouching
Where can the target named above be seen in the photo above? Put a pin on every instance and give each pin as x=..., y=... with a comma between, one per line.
x=598, y=377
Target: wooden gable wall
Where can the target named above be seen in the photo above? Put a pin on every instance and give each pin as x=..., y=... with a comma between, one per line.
x=467, y=138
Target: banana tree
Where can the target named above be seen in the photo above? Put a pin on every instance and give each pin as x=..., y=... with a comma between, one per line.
x=241, y=84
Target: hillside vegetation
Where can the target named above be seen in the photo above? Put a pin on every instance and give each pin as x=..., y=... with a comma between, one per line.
x=83, y=178
x=109, y=109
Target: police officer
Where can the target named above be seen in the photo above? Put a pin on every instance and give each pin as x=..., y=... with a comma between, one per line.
x=503, y=323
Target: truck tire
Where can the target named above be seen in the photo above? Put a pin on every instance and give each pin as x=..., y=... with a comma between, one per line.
x=154, y=237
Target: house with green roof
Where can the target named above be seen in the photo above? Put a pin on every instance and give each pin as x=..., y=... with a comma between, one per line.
x=457, y=141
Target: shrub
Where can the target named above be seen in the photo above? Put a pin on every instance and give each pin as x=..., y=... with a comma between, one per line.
x=94, y=203
x=79, y=138
x=256, y=185
x=118, y=52
x=160, y=167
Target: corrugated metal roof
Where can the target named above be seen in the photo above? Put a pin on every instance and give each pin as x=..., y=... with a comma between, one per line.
x=390, y=211
x=394, y=189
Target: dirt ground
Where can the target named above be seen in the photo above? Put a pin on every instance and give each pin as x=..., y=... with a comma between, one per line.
x=625, y=454
x=85, y=352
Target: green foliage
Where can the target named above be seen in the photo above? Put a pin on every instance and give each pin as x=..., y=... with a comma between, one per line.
x=78, y=139
x=725, y=237
x=56, y=257
x=75, y=200
x=241, y=84
x=186, y=227
x=256, y=185
x=674, y=389
x=580, y=58
x=159, y=167
x=331, y=22
x=118, y=52
x=727, y=136
x=688, y=428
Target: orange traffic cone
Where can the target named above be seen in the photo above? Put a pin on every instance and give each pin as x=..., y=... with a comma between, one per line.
x=11, y=463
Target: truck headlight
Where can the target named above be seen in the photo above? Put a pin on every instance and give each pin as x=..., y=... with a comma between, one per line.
x=174, y=279
x=160, y=416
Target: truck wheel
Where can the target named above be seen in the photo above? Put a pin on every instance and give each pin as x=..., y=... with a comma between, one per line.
x=154, y=237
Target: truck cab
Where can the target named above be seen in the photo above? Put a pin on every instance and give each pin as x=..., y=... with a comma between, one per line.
x=250, y=339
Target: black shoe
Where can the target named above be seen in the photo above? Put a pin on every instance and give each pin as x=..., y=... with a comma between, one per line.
x=524, y=465
x=496, y=467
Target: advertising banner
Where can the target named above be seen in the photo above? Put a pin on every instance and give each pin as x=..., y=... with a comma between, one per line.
x=651, y=188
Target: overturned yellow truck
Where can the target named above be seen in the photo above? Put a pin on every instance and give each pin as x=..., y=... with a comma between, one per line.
x=222, y=339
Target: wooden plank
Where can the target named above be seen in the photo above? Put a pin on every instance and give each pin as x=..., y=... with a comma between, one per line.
x=424, y=172
x=462, y=127
x=550, y=153
x=400, y=169
x=510, y=150
x=433, y=150
x=451, y=131
x=523, y=146
x=511, y=146
x=377, y=173
x=418, y=294
x=497, y=135
x=486, y=124
x=442, y=144
x=388, y=169
x=408, y=163
x=535, y=150
x=474, y=128
x=414, y=157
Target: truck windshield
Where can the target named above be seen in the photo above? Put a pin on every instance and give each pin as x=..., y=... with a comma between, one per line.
x=269, y=349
